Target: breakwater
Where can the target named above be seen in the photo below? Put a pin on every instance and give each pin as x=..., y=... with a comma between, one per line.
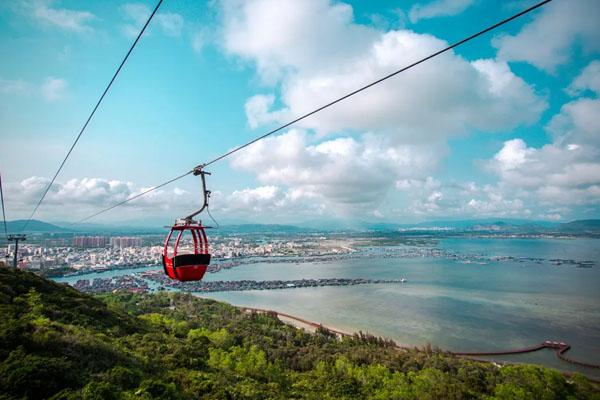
x=139, y=284
x=242, y=285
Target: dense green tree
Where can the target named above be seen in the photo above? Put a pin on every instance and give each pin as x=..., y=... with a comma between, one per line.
x=60, y=344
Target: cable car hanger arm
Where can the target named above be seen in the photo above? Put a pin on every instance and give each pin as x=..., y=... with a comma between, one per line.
x=206, y=193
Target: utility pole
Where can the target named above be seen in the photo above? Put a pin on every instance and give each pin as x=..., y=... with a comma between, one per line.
x=16, y=238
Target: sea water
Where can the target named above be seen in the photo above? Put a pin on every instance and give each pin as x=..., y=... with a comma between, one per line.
x=455, y=305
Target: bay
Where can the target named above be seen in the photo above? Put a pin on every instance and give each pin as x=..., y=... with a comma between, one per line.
x=455, y=305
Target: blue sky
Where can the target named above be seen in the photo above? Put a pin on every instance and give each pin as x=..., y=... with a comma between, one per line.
x=506, y=126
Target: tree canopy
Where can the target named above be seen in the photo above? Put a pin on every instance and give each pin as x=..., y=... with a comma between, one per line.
x=58, y=343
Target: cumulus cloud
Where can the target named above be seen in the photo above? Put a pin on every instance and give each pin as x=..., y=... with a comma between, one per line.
x=312, y=52
x=342, y=175
x=258, y=110
x=589, y=79
x=16, y=86
x=560, y=26
x=438, y=8
x=45, y=13
x=285, y=34
x=170, y=24
x=77, y=198
x=435, y=101
x=566, y=172
x=445, y=97
x=430, y=197
x=552, y=174
x=268, y=203
x=258, y=199
x=495, y=205
x=577, y=123
x=52, y=89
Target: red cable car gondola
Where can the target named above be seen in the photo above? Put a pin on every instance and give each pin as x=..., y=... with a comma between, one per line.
x=189, y=266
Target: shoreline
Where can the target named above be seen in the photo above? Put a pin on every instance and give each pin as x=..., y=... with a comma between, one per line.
x=558, y=347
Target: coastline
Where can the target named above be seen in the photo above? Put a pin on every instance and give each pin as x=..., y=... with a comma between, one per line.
x=416, y=315
x=311, y=327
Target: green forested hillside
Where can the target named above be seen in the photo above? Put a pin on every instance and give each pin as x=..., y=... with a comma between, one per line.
x=58, y=343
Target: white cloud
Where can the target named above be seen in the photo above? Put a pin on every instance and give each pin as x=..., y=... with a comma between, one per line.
x=552, y=174
x=137, y=14
x=400, y=127
x=578, y=122
x=566, y=172
x=258, y=199
x=52, y=89
x=259, y=111
x=438, y=8
x=495, y=205
x=269, y=204
x=16, y=86
x=77, y=198
x=429, y=198
x=282, y=34
x=63, y=18
x=434, y=101
x=199, y=39
x=342, y=174
x=550, y=39
x=513, y=155
x=170, y=24
x=448, y=96
x=312, y=52
x=589, y=79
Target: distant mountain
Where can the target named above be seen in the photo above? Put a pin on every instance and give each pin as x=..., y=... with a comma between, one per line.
x=105, y=229
x=492, y=223
x=475, y=225
x=34, y=225
x=263, y=228
x=583, y=225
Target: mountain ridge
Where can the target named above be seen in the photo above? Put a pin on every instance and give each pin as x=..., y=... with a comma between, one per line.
x=469, y=225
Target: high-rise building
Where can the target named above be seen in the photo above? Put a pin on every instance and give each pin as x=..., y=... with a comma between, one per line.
x=89, y=241
x=123, y=242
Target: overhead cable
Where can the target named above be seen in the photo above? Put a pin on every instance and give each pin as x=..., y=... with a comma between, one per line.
x=62, y=164
x=414, y=64
x=134, y=197
x=378, y=81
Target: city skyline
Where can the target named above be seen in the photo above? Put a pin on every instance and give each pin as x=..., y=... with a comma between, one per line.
x=506, y=126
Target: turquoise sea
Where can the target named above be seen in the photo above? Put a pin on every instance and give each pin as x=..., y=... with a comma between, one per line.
x=455, y=305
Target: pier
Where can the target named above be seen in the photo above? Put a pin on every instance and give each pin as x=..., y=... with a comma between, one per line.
x=559, y=347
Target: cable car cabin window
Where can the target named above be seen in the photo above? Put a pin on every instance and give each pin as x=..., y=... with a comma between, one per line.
x=186, y=243
x=170, y=245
